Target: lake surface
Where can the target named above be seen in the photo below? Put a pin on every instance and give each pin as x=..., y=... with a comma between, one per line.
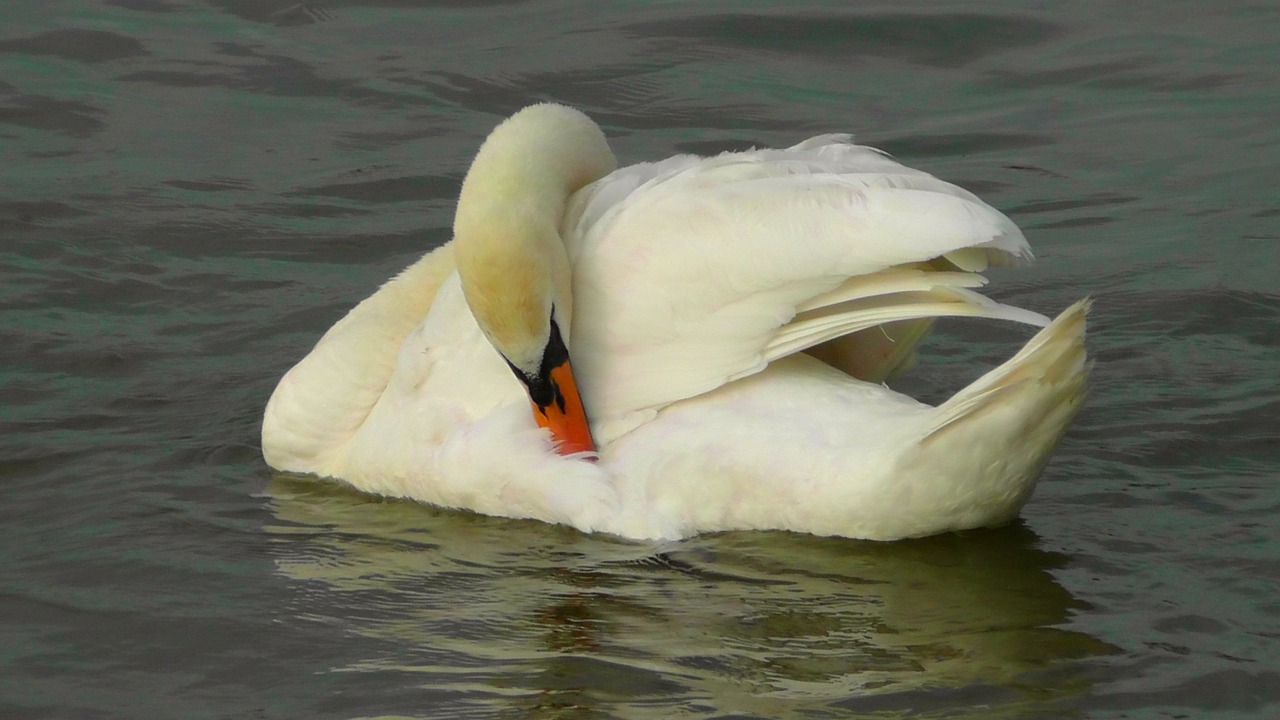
x=192, y=192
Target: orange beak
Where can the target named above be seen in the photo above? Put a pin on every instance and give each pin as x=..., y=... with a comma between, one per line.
x=564, y=416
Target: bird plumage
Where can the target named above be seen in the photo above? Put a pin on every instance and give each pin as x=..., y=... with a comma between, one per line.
x=729, y=319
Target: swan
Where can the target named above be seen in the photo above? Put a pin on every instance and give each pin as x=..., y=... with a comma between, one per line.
x=686, y=346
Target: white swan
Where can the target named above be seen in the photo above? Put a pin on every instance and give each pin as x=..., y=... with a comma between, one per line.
x=729, y=319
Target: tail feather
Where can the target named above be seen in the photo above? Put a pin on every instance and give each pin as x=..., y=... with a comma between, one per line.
x=979, y=458
x=1047, y=375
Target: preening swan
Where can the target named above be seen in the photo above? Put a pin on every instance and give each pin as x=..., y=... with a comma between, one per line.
x=684, y=346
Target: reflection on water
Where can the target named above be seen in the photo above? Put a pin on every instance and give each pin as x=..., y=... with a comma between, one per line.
x=547, y=622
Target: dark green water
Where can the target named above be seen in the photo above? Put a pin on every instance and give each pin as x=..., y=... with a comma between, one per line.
x=191, y=192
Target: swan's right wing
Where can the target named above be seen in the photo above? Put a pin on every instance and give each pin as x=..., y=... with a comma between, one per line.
x=693, y=272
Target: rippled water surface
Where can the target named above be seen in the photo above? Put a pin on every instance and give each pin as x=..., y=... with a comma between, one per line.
x=191, y=192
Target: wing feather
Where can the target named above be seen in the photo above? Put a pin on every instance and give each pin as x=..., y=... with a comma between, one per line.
x=692, y=272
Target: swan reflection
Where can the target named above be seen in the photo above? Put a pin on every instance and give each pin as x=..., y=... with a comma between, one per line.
x=544, y=621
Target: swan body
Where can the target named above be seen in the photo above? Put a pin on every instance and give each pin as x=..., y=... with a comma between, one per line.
x=730, y=321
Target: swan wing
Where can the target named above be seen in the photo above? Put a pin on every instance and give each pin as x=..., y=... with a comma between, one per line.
x=693, y=272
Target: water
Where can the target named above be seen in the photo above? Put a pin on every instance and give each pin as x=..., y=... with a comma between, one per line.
x=191, y=192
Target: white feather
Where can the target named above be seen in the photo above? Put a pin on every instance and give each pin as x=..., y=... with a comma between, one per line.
x=697, y=283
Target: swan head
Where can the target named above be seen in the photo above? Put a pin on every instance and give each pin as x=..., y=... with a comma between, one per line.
x=511, y=259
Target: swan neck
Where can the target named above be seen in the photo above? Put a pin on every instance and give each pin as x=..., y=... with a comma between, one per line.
x=511, y=259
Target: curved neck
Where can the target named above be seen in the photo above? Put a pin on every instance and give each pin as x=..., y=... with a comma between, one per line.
x=506, y=230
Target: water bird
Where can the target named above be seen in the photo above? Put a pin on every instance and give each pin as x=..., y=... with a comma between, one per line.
x=690, y=345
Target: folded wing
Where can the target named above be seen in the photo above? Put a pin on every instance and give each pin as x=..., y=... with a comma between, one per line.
x=694, y=272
